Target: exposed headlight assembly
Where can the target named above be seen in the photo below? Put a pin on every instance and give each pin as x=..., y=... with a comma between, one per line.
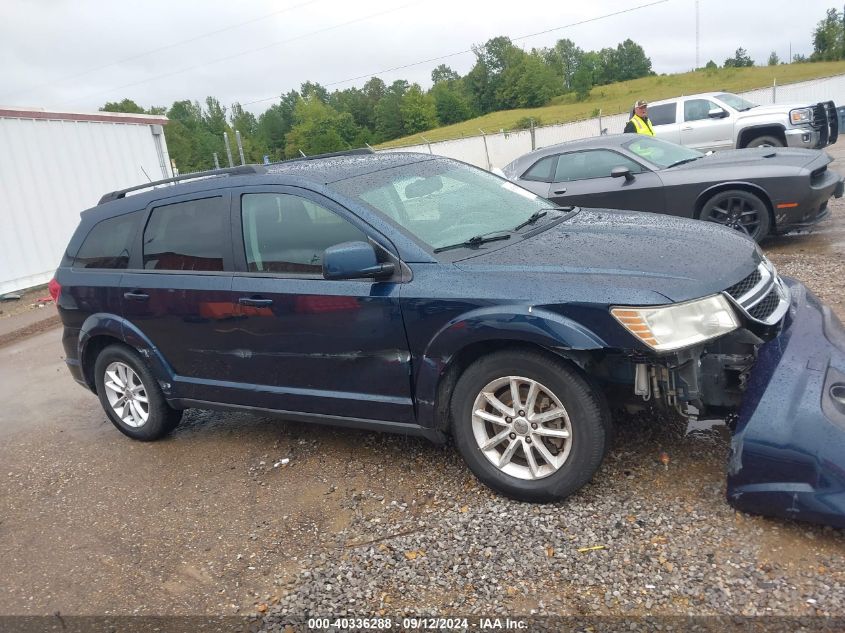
x=800, y=115
x=667, y=328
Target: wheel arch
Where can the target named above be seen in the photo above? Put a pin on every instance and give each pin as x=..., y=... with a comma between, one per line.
x=463, y=341
x=748, y=187
x=750, y=133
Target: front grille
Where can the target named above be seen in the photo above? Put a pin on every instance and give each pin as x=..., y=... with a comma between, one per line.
x=764, y=309
x=761, y=296
x=739, y=289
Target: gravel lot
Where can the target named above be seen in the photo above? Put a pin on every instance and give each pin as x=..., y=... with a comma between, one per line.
x=210, y=522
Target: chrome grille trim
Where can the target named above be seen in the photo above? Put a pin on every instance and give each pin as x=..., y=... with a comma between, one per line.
x=763, y=294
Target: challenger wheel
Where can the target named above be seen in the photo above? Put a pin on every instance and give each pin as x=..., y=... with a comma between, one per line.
x=738, y=210
x=528, y=425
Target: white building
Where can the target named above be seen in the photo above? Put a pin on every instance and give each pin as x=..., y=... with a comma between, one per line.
x=53, y=165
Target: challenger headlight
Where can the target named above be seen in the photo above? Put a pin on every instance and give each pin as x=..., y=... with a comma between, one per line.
x=672, y=327
x=800, y=115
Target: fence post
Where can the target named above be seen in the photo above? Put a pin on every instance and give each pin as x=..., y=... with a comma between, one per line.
x=216, y=161
x=240, y=146
x=533, y=139
x=486, y=151
x=427, y=142
x=775, y=90
x=600, y=126
x=228, y=149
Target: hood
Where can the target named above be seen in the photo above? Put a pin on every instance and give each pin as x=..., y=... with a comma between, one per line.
x=777, y=108
x=757, y=157
x=675, y=258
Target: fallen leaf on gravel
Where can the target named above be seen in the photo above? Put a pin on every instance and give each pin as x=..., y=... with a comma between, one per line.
x=262, y=608
x=465, y=509
x=412, y=555
x=550, y=551
x=511, y=591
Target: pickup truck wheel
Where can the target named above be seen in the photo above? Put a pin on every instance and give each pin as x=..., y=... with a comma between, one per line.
x=765, y=141
x=529, y=426
x=131, y=396
x=738, y=210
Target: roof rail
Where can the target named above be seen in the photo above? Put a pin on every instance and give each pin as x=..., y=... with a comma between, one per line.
x=230, y=171
x=348, y=152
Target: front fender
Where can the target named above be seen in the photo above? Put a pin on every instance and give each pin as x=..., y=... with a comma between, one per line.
x=514, y=323
x=730, y=184
x=102, y=324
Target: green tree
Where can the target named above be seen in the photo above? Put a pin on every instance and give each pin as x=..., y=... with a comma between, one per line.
x=827, y=38
x=389, y=112
x=275, y=123
x=774, y=60
x=450, y=102
x=630, y=62
x=527, y=82
x=711, y=65
x=799, y=59
x=127, y=106
x=484, y=80
x=739, y=60
x=443, y=73
x=320, y=128
x=311, y=89
x=582, y=82
x=563, y=60
x=417, y=110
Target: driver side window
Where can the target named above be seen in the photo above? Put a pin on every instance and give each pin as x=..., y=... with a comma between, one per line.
x=592, y=164
x=698, y=109
x=284, y=233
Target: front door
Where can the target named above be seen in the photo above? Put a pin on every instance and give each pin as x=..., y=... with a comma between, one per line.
x=583, y=179
x=307, y=344
x=703, y=132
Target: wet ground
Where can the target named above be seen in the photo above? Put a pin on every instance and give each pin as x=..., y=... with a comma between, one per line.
x=210, y=522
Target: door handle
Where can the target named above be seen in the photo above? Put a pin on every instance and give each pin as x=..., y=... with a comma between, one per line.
x=257, y=302
x=560, y=192
x=686, y=129
x=136, y=295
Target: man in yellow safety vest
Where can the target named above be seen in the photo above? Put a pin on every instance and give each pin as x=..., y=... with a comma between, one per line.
x=639, y=123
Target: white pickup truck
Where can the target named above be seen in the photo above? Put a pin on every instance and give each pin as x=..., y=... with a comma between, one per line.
x=721, y=120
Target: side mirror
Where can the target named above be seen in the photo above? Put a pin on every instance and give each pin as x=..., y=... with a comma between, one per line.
x=622, y=172
x=353, y=260
x=717, y=113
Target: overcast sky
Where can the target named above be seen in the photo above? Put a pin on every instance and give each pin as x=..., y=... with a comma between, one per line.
x=78, y=54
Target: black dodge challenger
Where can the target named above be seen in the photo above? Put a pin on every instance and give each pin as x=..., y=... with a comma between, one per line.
x=757, y=191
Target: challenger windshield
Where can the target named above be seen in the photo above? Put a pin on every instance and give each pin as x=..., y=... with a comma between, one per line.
x=661, y=153
x=445, y=203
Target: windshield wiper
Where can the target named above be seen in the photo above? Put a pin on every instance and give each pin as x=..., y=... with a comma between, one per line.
x=531, y=220
x=477, y=240
x=683, y=161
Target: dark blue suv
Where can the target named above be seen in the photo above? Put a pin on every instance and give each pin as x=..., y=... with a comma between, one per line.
x=416, y=294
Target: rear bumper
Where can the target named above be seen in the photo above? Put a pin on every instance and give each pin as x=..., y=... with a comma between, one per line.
x=788, y=450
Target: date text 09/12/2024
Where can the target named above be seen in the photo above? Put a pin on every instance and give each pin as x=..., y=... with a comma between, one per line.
x=418, y=623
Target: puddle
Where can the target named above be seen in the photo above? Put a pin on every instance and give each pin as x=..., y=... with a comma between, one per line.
x=707, y=427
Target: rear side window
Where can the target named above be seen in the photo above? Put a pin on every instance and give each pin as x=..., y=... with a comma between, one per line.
x=662, y=114
x=107, y=245
x=592, y=164
x=542, y=170
x=288, y=234
x=190, y=235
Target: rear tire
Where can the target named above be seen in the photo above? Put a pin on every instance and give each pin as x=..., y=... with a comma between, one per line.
x=130, y=395
x=765, y=141
x=738, y=210
x=543, y=449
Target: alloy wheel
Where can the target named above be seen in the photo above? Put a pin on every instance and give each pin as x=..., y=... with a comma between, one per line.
x=521, y=427
x=126, y=394
x=736, y=213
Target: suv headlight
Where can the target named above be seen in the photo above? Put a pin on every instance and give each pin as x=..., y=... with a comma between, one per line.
x=672, y=327
x=800, y=115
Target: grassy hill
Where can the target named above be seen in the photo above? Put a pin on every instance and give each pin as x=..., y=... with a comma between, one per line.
x=618, y=97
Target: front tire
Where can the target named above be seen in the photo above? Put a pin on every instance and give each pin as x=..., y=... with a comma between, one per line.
x=765, y=141
x=528, y=425
x=130, y=395
x=738, y=210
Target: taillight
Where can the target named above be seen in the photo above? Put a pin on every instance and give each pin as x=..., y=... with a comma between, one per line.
x=55, y=289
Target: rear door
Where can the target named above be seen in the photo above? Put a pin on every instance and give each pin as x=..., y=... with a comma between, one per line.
x=177, y=290
x=311, y=345
x=664, y=119
x=583, y=179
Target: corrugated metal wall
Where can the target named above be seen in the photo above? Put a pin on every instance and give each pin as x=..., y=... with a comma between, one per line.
x=507, y=146
x=50, y=171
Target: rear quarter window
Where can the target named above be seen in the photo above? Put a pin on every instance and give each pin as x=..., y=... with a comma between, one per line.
x=107, y=244
x=192, y=235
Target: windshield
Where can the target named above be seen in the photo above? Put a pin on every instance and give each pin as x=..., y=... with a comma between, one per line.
x=661, y=153
x=445, y=203
x=737, y=103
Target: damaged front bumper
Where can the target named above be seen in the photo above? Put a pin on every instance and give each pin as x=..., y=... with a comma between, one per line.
x=788, y=449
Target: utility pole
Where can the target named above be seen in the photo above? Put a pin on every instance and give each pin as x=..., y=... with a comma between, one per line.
x=697, y=48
